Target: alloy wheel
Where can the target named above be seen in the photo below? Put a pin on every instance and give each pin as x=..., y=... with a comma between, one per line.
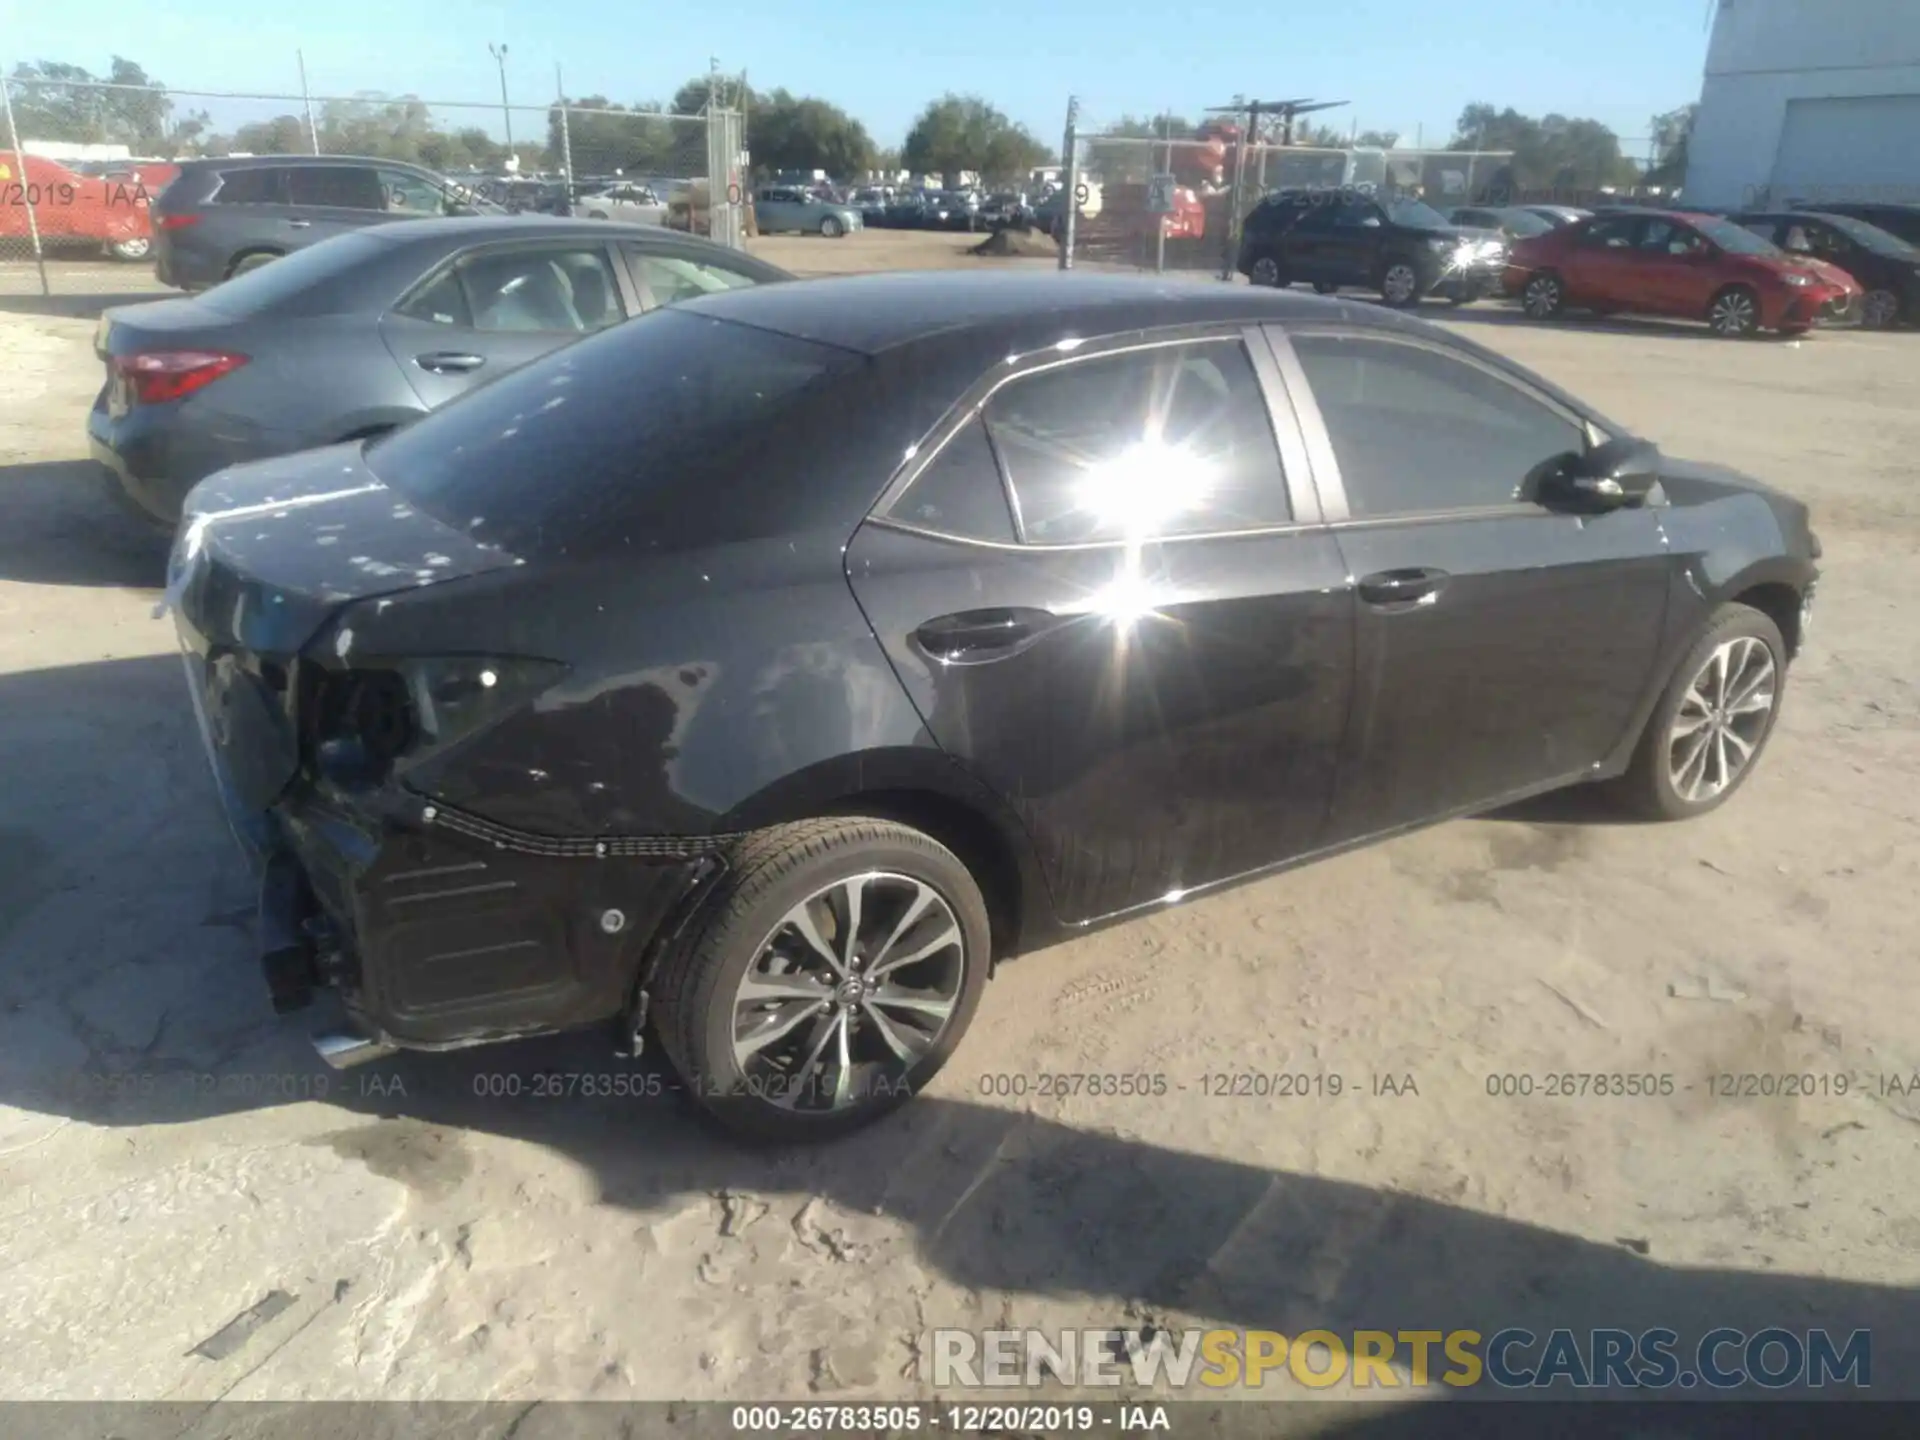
x=1542, y=298
x=1265, y=271
x=849, y=992
x=1733, y=314
x=1880, y=309
x=1399, y=284
x=1721, y=719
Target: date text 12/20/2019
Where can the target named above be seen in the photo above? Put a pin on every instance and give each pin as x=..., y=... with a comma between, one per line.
x=1217, y=1085
x=973, y=1419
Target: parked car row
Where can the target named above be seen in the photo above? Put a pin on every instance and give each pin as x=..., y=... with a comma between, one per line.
x=749, y=678
x=1729, y=272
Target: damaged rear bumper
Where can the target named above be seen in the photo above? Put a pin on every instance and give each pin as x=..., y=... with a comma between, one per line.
x=440, y=930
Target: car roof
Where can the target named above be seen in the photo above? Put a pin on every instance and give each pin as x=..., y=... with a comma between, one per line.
x=877, y=312
x=481, y=227
x=254, y=162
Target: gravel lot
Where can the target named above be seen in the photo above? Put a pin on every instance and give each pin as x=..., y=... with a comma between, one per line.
x=171, y=1154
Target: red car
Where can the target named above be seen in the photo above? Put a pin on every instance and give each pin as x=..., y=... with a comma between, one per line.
x=71, y=208
x=1668, y=262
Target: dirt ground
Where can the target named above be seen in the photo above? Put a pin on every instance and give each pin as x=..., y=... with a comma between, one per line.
x=171, y=1154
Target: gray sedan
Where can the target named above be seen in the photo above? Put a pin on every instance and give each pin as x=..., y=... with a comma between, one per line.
x=787, y=207
x=364, y=332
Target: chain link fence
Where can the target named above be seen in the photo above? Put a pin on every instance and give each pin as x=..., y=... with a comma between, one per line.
x=1178, y=204
x=76, y=216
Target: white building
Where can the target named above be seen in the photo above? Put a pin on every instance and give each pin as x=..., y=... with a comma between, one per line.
x=1808, y=99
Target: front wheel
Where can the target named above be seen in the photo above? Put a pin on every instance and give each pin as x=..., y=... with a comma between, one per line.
x=1880, y=310
x=1734, y=313
x=1399, y=284
x=1544, y=297
x=1706, y=734
x=832, y=228
x=826, y=980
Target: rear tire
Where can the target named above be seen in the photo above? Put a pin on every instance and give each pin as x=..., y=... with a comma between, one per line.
x=253, y=260
x=832, y=228
x=788, y=1087
x=1715, y=705
x=1267, y=270
x=132, y=251
x=1734, y=313
x=1325, y=287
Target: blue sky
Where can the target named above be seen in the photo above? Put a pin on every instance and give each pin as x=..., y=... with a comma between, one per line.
x=1406, y=65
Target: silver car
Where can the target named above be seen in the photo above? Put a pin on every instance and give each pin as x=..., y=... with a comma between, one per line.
x=786, y=207
x=636, y=204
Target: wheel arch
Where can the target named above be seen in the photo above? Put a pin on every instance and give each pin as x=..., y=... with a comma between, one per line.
x=247, y=253
x=929, y=791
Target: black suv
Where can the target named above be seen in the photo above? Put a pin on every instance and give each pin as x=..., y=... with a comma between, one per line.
x=221, y=217
x=1397, y=245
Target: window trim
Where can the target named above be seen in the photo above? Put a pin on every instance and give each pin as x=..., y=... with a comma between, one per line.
x=1332, y=484
x=623, y=283
x=632, y=252
x=1302, y=497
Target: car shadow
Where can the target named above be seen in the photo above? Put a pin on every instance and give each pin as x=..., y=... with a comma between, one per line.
x=60, y=526
x=1582, y=320
x=81, y=306
x=129, y=998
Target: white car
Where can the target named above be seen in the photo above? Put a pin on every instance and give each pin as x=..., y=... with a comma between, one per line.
x=636, y=204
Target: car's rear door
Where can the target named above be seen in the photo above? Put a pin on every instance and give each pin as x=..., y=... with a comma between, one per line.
x=329, y=200
x=490, y=309
x=1500, y=646
x=1105, y=584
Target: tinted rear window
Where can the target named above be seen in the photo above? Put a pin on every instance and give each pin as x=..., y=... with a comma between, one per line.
x=257, y=185
x=574, y=451
x=267, y=288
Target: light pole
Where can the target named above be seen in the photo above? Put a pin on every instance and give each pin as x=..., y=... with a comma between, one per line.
x=499, y=53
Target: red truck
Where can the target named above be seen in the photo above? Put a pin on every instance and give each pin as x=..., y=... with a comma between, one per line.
x=107, y=211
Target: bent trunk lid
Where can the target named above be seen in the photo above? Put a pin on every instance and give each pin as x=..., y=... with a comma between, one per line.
x=266, y=555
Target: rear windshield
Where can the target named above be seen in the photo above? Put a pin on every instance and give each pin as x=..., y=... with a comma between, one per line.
x=566, y=454
x=258, y=291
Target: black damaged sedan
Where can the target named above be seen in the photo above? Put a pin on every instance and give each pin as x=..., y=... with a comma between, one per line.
x=756, y=674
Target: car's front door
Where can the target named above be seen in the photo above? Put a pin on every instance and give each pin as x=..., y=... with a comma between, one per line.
x=1106, y=587
x=1500, y=646
x=1598, y=267
x=493, y=309
x=1673, y=263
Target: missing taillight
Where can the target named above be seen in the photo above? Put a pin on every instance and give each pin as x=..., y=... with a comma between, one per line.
x=157, y=376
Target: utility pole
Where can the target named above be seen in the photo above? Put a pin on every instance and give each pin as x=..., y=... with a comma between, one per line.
x=499, y=53
x=313, y=131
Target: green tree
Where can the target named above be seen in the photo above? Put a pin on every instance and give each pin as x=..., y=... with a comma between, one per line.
x=797, y=132
x=1671, y=134
x=53, y=100
x=1160, y=127
x=1554, y=150
x=282, y=135
x=963, y=132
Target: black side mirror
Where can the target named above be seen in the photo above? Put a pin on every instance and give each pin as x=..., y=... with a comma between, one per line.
x=1609, y=477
